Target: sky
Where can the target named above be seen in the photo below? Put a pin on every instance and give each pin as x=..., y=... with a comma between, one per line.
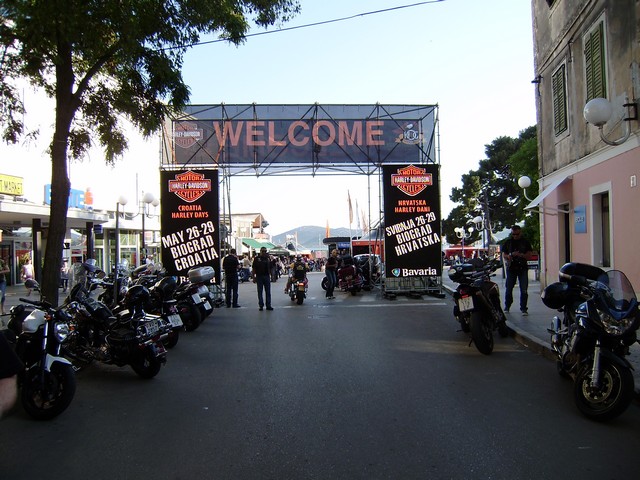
x=474, y=59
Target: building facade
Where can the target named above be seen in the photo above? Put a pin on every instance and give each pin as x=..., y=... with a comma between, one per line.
x=589, y=197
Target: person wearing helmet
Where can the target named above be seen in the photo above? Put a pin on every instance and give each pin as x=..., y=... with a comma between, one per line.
x=298, y=272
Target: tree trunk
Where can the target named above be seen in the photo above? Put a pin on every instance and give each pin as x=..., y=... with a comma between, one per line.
x=60, y=183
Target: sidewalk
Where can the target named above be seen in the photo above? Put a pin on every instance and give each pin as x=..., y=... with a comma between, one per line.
x=14, y=293
x=531, y=331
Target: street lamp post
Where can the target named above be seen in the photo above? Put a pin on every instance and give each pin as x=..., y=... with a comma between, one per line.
x=463, y=234
x=147, y=199
x=122, y=200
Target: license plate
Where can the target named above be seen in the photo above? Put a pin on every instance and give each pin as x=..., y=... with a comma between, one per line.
x=465, y=304
x=152, y=327
x=196, y=298
x=175, y=320
x=301, y=287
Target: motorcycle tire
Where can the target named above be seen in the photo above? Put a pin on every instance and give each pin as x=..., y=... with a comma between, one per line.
x=60, y=388
x=503, y=330
x=464, y=320
x=354, y=291
x=172, y=339
x=325, y=283
x=299, y=299
x=146, y=364
x=611, y=399
x=190, y=315
x=481, y=333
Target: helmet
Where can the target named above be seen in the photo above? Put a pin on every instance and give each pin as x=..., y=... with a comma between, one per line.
x=136, y=297
x=298, y=258
x=556, y=295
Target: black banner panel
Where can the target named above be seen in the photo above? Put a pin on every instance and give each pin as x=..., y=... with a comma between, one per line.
x=412, y=243
x=190, y=220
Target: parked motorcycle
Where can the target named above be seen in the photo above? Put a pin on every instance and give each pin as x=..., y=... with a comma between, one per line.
x=350, y=277
x=477, y=303
x=129, y=338
x=47, y=383
x=600, y=317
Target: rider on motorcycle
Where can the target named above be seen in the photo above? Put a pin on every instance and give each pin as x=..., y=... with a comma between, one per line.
x=298, y=271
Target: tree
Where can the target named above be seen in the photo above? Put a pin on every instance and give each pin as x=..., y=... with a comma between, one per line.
x=492, y=190
x=101, y=60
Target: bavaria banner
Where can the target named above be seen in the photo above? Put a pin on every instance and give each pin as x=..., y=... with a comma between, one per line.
x=190, y=220
x=412, y=244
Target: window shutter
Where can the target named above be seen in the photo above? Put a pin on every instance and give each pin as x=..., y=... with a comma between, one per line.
x=559, y=89
x=595, y=64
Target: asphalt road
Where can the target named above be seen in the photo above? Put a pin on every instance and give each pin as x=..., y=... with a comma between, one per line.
x=353, y=388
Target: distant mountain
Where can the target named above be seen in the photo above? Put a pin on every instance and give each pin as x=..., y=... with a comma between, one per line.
x=309, y=237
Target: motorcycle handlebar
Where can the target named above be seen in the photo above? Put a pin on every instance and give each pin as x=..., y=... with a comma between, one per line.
x=36, y=303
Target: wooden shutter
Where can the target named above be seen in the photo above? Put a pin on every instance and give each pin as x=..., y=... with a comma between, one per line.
x=559, y=88
x=595, y=64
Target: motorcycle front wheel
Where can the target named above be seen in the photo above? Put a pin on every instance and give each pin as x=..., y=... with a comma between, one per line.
x=481, y=333
x=325, y=283
x=146, y=364
x=44, y=400
x=612, y=397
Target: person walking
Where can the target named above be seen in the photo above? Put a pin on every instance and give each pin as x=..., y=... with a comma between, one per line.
x=261, y=274
x=230, y=265
x=64, y=275
x=516, y=251
x=27, y=273
x=4, y=271
x=330, y=271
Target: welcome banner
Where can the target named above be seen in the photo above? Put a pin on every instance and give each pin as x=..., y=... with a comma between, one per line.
x=321, y=136
x=412, y=243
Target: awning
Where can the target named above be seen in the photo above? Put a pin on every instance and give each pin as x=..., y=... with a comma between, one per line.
x=547, y=191
x=253, y=243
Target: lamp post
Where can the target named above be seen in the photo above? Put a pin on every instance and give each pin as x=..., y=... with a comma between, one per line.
x=122, y=200
x=599, y=111
x=463, y=234
x=147, y=199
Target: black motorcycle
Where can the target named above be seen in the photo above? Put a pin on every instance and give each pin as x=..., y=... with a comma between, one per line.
x=47, y=383
x=477, y=303
x=130, y=337
x=598, y=325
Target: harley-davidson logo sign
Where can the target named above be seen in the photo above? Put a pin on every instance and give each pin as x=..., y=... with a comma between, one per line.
x=412, y=180
x=190, y=186
x=187, y=134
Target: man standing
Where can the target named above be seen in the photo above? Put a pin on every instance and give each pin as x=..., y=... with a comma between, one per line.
x=261, y=273
x=516, y=251
x=330, y=271
x=4, y=271
x=230, y=265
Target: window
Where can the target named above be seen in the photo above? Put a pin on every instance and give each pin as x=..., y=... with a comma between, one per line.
x=559, y=90
x=594, y=57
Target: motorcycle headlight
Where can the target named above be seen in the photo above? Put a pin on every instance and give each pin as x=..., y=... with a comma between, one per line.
x=61, y=331
x=613, y=326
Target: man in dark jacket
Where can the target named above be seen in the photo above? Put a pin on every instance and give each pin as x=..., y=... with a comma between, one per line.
x=516, y=251
x=230, y=265
x=261, y=273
